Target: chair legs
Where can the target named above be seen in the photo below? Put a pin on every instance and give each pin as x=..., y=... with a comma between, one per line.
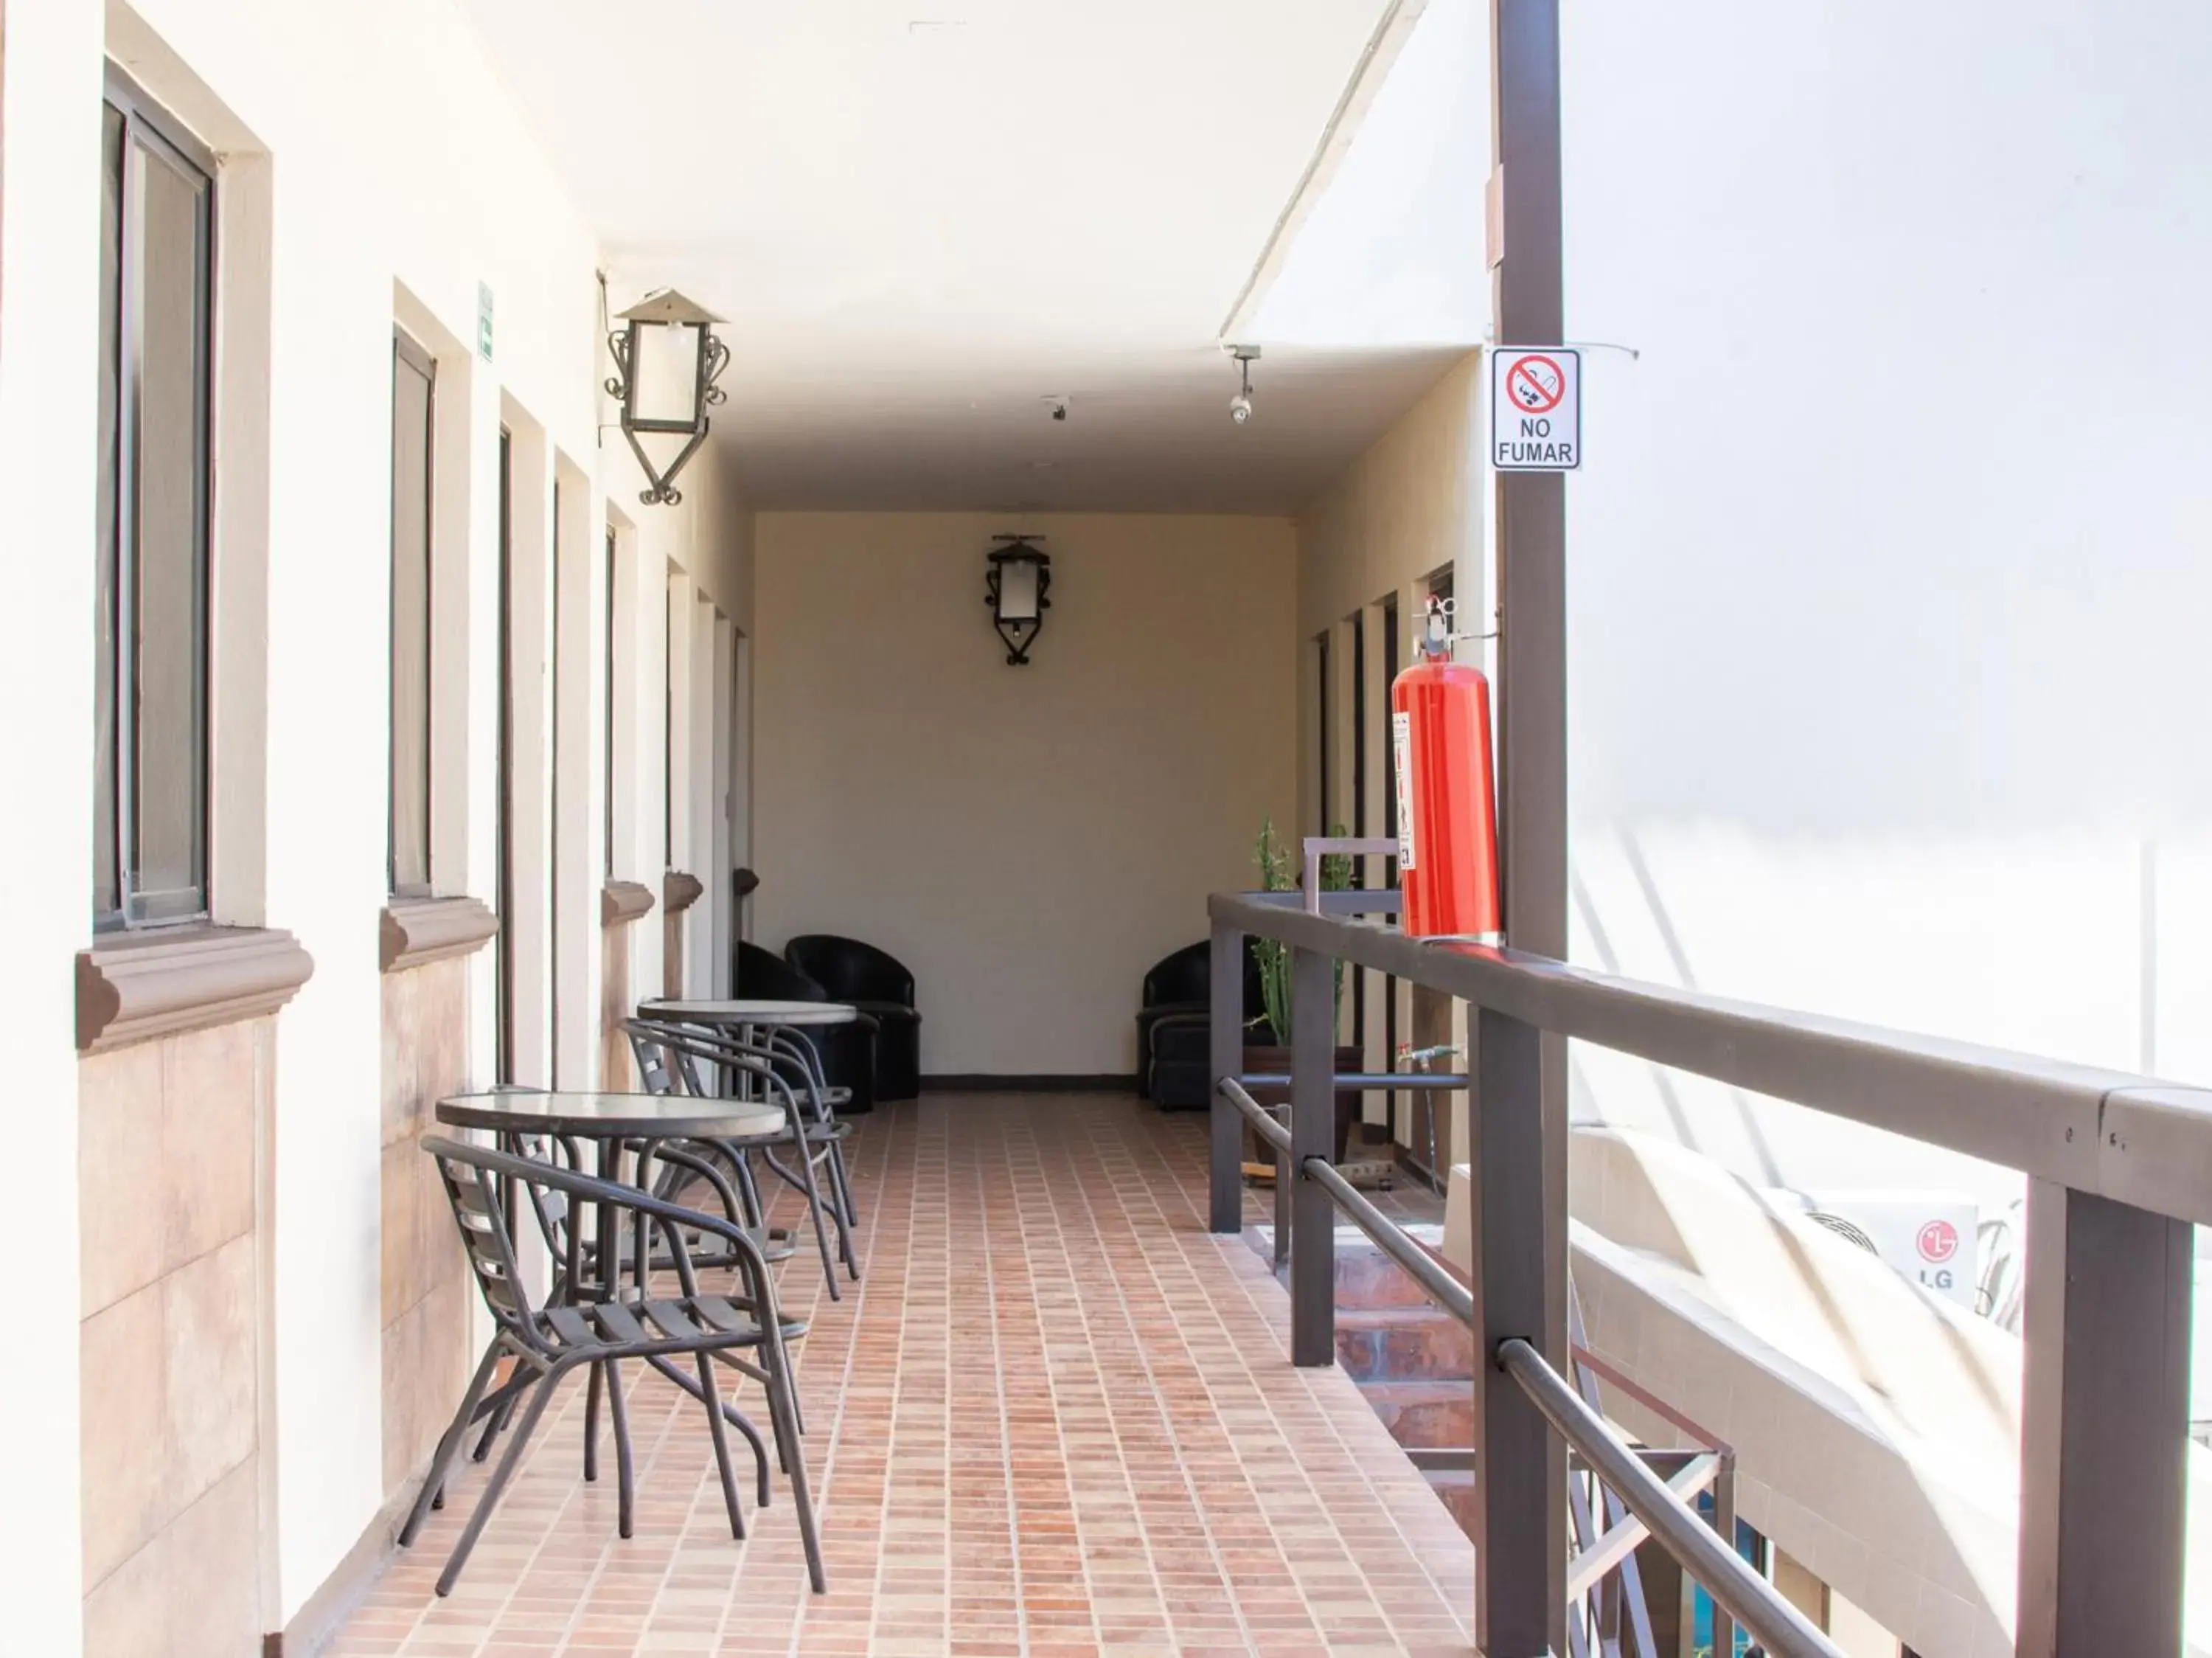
x=625, y=1472
x=842, y=1183
x=540, y=1396
x=777, y=1382
x=493, y=1429
x=814, y=1200
x=433, y=1483
x=712, y=1399
x=749, y=1191
x=783, y=1412
x=592, y=1425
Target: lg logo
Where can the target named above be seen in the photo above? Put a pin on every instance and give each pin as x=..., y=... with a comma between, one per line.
x=1938, y=1241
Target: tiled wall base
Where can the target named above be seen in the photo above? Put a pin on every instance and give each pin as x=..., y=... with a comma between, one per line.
x=617, y=1070
x=168, y=1153
x=427, y=1309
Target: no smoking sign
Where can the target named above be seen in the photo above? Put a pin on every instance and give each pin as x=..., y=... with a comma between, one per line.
x=1535, y=409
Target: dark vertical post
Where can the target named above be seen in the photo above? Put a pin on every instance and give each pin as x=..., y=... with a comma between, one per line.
x=1520, y=1470
x=1313, y=1134
x=1226, y=1058
x=1724, y=1523
x=1531, y=506
x=1526, y=1511
x=2104, y=1427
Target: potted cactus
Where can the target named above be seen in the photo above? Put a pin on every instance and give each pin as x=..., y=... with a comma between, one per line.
x=1268, y=1040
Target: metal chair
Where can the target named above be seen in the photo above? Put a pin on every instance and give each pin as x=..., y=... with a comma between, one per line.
x=789, y=1051
x=672, y=1054
x=575, y=1259
x=548, y=1339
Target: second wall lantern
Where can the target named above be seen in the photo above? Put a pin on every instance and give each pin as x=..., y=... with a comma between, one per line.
x=668, y=358
x=1016, y=587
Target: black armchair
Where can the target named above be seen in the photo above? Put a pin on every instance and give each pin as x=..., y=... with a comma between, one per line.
x=1173, y=1037
x=879, y=983
x=847, y=1052
x=765, y=974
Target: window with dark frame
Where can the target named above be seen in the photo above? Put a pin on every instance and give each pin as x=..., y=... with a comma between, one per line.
x=668, y=730
x=151, y=698
x=563, y=559
x=1321, y=724
x=607, y=747
x=414, y=399
x=504, y=837
x=1358, y=621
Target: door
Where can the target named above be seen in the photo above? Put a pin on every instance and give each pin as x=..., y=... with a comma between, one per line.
x=504, y=833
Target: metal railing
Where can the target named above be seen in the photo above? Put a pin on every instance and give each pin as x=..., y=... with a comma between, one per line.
x=1599, y=1554
x=2119, y=1166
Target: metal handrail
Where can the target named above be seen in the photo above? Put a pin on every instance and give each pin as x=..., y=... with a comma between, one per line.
x=2130, y=1138
x=1393, y=1240
x=1756, y=1604
x=2120, y=1166
x=1263, y=1122
x=1649, y=1493
x=1366, y=1081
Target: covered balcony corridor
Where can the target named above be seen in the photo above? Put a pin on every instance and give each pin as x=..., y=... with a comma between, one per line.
x=1056, y=1418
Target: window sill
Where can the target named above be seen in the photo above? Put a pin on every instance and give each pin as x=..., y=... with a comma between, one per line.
x=622, y=901
x=159, y=983
x=679, y=892
x=415, y=930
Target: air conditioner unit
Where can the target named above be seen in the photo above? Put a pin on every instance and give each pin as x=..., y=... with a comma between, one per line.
x=1929, y=1236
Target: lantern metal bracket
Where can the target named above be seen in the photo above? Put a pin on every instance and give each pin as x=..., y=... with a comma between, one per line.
x=1018, y=635
x=666, y=307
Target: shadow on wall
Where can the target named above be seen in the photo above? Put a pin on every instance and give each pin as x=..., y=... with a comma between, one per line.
x=2076, y=945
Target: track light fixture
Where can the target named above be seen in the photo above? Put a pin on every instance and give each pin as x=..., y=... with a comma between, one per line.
x=1240, y=406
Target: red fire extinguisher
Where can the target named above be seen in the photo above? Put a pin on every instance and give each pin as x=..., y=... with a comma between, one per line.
x=1447, y=804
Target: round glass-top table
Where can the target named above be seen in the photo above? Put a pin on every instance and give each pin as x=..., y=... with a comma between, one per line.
x=754, y=1010
x=612, y=1124
x=593, y=1115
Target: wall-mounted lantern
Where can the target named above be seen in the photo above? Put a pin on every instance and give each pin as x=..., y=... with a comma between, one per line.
x=1019, y=581
x=668, y=358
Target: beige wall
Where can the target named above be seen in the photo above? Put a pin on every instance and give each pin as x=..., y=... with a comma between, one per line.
x=427, y=1299
x=1028, y=840
x=309, y=280
x=173, y=1150
x=1412, y=505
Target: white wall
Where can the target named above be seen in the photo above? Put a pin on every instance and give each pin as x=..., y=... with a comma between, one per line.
x=1890, y=567
x=1412, y=505
x=386, y=155
x=1028, y=840
x=49, y=315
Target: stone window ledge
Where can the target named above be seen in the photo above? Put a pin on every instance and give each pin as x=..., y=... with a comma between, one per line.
x=679, y=892
x=137, y=987
x=414, y=930
x=622, y=901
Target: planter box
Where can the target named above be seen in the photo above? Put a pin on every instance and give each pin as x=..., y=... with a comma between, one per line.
x=1261, y=1059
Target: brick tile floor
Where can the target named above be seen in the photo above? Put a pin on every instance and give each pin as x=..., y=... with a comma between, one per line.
x=1057, y=1418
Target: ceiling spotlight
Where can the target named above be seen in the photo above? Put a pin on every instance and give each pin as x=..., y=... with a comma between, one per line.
x=1240, y=406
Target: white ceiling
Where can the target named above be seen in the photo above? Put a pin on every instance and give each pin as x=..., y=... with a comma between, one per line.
x=925, y=217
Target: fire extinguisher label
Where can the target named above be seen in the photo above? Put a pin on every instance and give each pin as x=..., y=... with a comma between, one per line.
x=1401, y=740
